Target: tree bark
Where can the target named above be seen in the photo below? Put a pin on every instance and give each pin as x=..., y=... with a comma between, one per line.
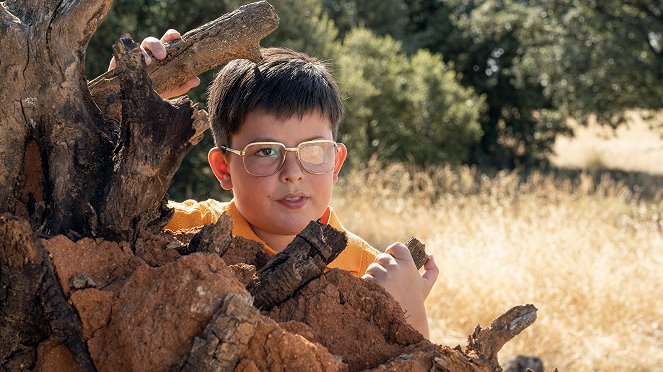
x=33, y=306
x=235, y=35
x=226, y=338
x=301, y=261
x=67, y=166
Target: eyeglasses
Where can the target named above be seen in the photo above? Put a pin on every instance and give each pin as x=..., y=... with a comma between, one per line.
x=264, y=159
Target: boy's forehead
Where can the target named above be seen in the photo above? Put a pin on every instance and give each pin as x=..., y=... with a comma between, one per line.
x=259, y=125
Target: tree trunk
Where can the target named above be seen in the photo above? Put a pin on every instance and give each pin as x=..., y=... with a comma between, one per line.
x=69, y=168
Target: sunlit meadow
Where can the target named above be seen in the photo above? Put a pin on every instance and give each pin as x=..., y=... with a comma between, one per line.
x=587, y=252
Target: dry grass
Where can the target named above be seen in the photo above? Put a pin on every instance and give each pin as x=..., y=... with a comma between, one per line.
x=587, y=253
x=637, y=146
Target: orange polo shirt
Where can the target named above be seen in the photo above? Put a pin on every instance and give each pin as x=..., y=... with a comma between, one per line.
x=190, y=214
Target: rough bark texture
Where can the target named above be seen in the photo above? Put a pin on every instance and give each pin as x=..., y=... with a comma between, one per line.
x=45, y=102
x=146, y=157
x=226, y=338
x=418, y=252
x=233, y=36
x=33, y=304
x=301, y=261
x=65, y=165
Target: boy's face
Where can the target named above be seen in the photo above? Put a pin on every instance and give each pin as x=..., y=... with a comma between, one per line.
x=279, y=206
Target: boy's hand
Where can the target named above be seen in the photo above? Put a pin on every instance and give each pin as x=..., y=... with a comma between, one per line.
x=396, y=272
x=156, y=46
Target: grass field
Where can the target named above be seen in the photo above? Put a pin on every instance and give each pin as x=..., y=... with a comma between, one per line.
x=587, y=251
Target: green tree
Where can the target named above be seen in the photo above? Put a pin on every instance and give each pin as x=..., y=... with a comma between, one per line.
x=608, y=57
x=403, y=108
x=487, y=43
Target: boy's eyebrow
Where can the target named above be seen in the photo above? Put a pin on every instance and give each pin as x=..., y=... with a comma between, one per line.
x=267, y=139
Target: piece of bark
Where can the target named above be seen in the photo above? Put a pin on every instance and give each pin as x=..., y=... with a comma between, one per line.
x=214, y=238
x=226, y=337
x=147, y=156
x=304, y=259
x=418, y=251
x=233, y=36
x=32, y=304
x=21, y=271
x=65, y=326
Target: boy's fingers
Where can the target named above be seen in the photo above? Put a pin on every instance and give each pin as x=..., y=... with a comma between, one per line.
x=170, y=35
x=374, y=272
x=182, y=89
x=385, y=259
x=431, y=272
x=155, y=46
x=400, y=252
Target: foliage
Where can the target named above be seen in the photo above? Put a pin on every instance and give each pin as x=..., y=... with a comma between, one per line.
x=402, y=107
x=611, y=54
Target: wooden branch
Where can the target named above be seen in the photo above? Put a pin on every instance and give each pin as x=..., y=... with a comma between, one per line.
x=233, y=36
x=304, y=259
x=488, y=342
x=148, y=154
x=226, y=337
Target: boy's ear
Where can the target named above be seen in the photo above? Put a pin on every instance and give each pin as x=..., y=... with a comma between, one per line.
x=340, y=159
x=220, y=167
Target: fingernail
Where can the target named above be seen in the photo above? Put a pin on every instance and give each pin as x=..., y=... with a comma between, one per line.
x=160, y=53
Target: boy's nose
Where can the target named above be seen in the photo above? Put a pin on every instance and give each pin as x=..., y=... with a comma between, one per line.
x=291, y=170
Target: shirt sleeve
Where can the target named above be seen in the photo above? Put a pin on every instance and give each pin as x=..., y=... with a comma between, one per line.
x=356, y=257
x=192, y=214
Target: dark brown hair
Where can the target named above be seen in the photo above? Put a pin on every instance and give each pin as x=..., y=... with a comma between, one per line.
x=283, y=84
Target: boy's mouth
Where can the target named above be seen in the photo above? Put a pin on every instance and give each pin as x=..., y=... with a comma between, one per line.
x=293, y=201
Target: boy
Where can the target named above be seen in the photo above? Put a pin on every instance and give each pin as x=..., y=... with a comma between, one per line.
x=274, y=125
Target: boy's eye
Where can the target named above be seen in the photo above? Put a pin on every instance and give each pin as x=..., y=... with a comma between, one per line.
x=266, y=152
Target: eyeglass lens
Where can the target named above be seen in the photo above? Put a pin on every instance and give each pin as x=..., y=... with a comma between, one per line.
x=265, y=159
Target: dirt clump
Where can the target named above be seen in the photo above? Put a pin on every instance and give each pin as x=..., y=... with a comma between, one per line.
x=99, y=263
x=159, y=311
x=354, y=319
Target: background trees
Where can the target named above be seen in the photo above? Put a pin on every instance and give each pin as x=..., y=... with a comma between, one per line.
x=460, y=81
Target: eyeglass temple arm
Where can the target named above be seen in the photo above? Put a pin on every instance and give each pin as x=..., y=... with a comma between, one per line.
x=226, y=148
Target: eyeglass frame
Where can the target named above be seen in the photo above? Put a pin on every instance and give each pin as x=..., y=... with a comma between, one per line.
x=242, y=153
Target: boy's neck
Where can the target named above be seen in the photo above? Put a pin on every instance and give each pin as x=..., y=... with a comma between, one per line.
x=276, y=242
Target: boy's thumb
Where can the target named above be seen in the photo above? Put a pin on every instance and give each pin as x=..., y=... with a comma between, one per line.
x=431, y=272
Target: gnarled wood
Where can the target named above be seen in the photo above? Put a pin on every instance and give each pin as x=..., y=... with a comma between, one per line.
x=32, y=303
x=301, y=261
x=226, y=337
x=99, y=175
x=486, y=343
x=45, y=99
x=147, y=156
x=213, y=238
x=233, y=36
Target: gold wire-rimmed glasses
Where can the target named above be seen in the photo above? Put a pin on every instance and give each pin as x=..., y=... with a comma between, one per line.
x=264, y=159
